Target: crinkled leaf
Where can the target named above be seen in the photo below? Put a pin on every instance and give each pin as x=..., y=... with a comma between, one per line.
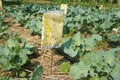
x=79, y=70
x=94, y=59
x=29, y=45
x=5, y=64
x=25, y=51
x=110, y=56
x=64, y=67
x=97, y=37
x=12, y=43
x=89, y=43
x=23, y=58
x=116, y=72
x=4, y=51
x=68, y=49
x=77, y=39
x=36, y=74
x=71, y=52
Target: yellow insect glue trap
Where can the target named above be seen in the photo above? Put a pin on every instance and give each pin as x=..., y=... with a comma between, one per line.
x=52, y=29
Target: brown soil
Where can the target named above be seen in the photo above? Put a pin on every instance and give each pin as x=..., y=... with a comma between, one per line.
x=47, y=58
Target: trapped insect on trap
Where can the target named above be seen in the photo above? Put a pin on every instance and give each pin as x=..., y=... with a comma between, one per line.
x=52, y=29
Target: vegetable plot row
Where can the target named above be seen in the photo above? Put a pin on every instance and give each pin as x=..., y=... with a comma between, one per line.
x=14, y=52
x=84, y=30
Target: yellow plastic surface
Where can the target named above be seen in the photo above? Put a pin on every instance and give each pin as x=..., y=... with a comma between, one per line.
x=52, y=29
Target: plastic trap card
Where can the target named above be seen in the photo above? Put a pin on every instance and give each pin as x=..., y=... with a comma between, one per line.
x=52, y=29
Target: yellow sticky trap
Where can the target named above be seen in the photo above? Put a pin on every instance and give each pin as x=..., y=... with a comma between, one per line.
x=52, y=29
x=64, y=8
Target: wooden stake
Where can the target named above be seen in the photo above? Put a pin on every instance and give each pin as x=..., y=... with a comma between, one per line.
x=64, y=8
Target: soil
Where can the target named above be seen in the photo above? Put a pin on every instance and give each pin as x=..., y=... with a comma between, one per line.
x=49, y=59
